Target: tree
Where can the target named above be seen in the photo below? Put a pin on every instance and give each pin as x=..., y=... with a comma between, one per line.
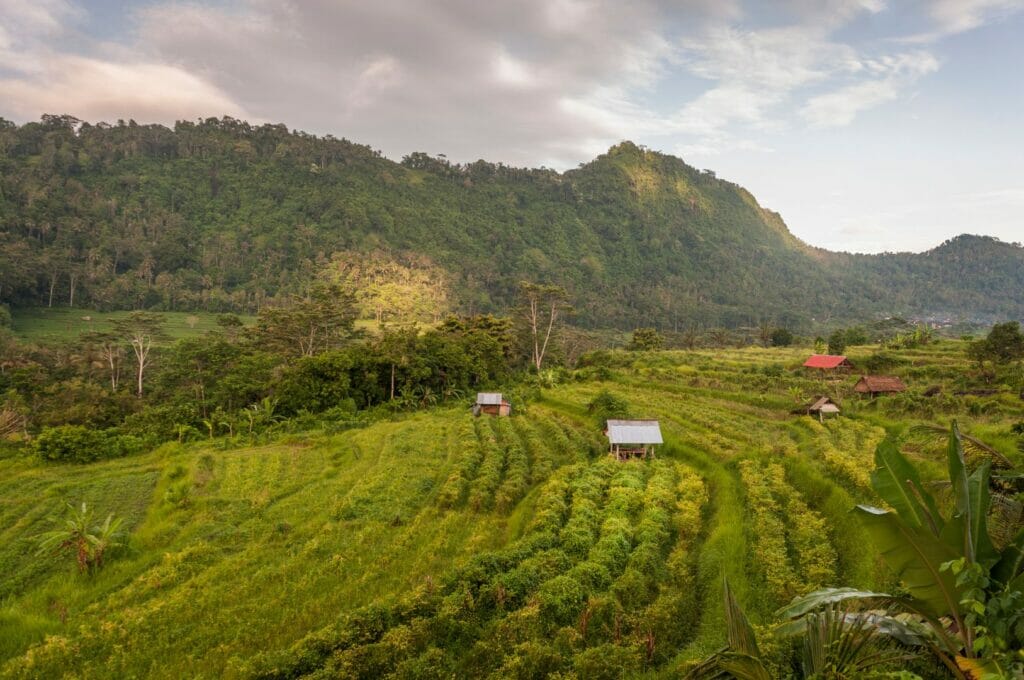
x=1003, y=344
x=645, y=339
x=89, y=542
x=108, y=344
x=837, y=342
x=141, y=330
x=782, y=337
x=308, y=325
x=541, y=308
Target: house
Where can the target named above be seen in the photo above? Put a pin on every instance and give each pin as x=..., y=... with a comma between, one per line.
x=874, y=385
x=633, y=438
x=821, y=407
x=491, y=403
x=829, y=362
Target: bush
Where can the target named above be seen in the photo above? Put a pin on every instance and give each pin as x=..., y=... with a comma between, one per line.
x=561, y=600
x=606, y=406
x=608, y=662
x=79, y=444
x=782, y=337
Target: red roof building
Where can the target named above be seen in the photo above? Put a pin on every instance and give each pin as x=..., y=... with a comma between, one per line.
x=828, y=362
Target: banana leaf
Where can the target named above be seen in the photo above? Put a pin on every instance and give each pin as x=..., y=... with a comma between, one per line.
x=899, y=485
x=1010, y=566
x=916, y=556
x=819, y=598
x=982, y=669
x=740, y=632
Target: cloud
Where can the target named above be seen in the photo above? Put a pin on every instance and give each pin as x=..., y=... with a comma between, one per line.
x=957, y=16
x=100, y=90
x=840, y=107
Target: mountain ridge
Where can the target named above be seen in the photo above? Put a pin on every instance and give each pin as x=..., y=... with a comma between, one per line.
x=222, y=215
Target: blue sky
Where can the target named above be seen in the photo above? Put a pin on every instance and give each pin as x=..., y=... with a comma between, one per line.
x=870, y=125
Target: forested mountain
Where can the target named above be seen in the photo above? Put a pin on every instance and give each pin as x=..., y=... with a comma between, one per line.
x=221, y=215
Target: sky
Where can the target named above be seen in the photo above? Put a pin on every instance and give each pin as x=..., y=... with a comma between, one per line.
x=870, y=125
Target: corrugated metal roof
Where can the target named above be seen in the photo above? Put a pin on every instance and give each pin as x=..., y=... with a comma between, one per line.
x=825, y=361
x=634, y=432
x=488, y=398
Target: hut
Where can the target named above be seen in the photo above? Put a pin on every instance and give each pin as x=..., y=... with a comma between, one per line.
x=874, y=385
x=633, y=438
x=821, y=407
x=829, y=362
x=491, y=403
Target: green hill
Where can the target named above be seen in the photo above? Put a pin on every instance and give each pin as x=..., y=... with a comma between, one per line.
x=439, y=545
x=220, y=215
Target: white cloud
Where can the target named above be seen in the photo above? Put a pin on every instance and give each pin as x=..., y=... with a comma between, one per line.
x=840, y=107
x=94, y=90
x=957, y=16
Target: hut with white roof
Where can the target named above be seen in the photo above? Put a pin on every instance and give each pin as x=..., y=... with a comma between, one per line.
x=633, y=438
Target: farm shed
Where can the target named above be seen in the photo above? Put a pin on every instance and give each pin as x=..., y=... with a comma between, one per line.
x=491, y=403
x=874, y=385
x=633, y=438
x=821, y=407
x=829, y=362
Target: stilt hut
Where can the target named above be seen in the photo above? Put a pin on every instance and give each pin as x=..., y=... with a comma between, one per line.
x=633, y=438
x=874, y=385
x=821, y=407
x=491, y=403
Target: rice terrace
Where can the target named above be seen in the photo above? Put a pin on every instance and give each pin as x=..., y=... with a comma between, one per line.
x=507, y=546
x=528, y=339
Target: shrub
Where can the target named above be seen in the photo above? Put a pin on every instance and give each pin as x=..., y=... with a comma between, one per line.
x=72, y=444
x=607, y=406
x=561, y=600
x=608, y=662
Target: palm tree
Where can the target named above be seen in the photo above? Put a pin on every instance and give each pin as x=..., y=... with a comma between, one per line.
x=87, y=541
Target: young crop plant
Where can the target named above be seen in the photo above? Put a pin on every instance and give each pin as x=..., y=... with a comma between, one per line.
x=517, y=469
x=770, y=554
x=469, y=456
x=488, y=479
x=806, y=531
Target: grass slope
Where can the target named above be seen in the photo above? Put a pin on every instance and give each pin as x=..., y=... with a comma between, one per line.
x=439, y=543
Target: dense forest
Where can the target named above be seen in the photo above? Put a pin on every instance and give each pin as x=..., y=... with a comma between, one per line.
x=221, y=215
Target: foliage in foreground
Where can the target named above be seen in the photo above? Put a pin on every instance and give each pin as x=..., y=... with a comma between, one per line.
x=964, y=601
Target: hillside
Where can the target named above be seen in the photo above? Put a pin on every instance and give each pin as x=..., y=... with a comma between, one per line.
x=220, y=215
x=437, y=545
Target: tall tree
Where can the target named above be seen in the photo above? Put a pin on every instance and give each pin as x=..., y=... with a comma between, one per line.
x=308, y=325
x=141, y=330
x=108, y=345
x=542, y=306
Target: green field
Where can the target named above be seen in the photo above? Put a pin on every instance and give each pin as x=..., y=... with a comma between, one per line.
x=43, y=324
x=440, y=545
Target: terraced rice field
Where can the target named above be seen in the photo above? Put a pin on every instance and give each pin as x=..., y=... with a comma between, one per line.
x=441, y=545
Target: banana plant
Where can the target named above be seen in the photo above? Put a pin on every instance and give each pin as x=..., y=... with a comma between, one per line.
x=966, y=596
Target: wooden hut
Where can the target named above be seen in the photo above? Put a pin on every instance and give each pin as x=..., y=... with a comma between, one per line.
x=829, y=362
x=491, y=403
x=633, y=438
x=874, y=385
x=821, y=407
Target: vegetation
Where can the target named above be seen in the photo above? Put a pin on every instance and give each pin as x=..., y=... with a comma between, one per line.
x=221, y=215
x=382, y=541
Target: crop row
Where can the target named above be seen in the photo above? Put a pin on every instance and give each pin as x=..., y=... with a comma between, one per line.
x=517, y=467
x=768, y=529
x=469, y=455
x=583, y=591
x=806, y=531
x=492, y=466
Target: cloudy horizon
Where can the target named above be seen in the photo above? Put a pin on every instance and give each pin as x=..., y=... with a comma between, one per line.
x=869, y=125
